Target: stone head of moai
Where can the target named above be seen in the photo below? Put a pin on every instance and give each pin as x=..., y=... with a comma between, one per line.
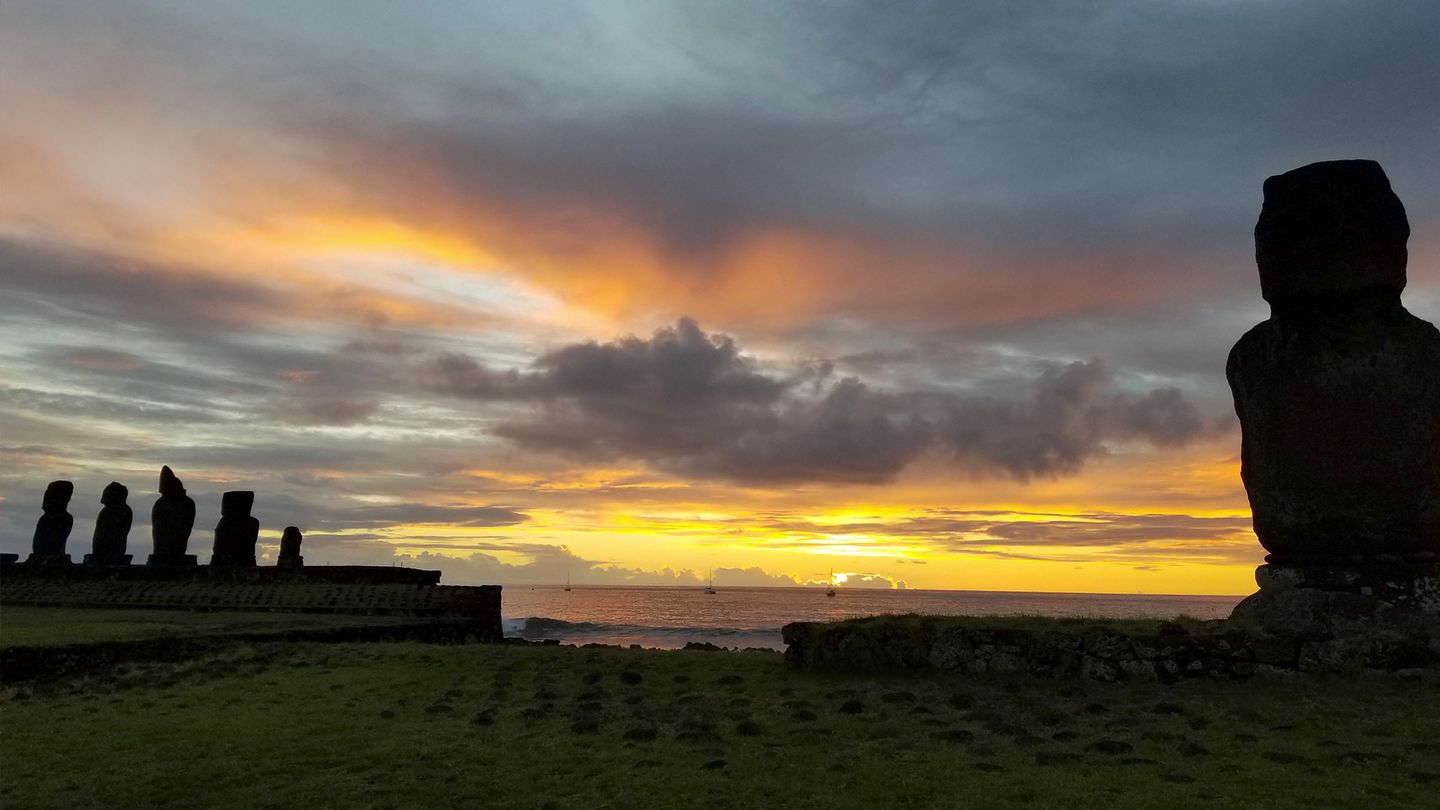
x=169, y=484
x=57, y=497
x=290, y=541
x=1330, y=231
x=237, y=503
x=115, y=494
x=1338, y=393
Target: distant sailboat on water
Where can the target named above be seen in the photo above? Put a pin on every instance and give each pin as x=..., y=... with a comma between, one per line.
x=710, y=586
x=567, y=581
x=830, y=591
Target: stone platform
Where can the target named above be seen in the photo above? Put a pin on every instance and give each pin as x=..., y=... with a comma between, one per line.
x=331, y=589
x=1344, y=602
x=1410, y=585
x=338, y=574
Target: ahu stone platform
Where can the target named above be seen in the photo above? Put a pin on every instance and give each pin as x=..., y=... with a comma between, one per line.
x=373, y=590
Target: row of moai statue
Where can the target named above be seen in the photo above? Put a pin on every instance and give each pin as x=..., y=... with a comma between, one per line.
x=171, y=521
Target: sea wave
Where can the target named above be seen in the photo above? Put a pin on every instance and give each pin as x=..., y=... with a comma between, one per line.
x=536, y=628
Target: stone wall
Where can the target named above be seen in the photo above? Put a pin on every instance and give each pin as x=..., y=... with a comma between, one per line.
x=1102, y=651
x=313, y=596
x=377, y=590
x=338, y=574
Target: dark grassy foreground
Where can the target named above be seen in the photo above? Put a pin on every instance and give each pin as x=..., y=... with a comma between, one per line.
x=413, y=725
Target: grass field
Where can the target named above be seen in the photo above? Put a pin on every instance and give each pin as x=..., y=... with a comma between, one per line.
x=412, y=725
x=47, y=626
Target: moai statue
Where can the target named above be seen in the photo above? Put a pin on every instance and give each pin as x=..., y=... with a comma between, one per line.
x=1338, y=395
x=171, y=521
x=112, y=528
x=53, y=528
x=290, y=548
x=236, y=533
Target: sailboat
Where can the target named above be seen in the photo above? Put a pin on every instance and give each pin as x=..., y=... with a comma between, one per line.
x=567, y=581
x=830, y=591
x=710, y=586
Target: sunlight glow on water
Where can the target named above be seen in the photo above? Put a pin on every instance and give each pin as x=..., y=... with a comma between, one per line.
x=752, y=617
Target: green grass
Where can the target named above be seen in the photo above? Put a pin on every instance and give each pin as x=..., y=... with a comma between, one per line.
x=411, y=725
x=50, y=626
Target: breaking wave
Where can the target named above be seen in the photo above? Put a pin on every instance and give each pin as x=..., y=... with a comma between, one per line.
x=535, y=628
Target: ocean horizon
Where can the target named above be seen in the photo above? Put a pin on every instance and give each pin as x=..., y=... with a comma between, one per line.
x=669, y=617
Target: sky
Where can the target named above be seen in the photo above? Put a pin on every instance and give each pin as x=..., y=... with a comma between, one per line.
x=929, y=295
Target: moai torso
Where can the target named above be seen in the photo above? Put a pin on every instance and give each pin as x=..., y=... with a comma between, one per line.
x=112, y=525
x=1338, y=393
x=53, y=528
x=237, y=531
x=172, y=518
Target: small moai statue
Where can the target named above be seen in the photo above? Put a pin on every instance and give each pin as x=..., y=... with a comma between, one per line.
x=53, y=528
x=290, y=548
x=171, y=521
x=236, y=533
x=112, y=528
x=1338, y=395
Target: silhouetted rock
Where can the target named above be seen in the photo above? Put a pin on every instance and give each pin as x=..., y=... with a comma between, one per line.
x=1338, y=393
x=112, y=528
x=53, y=528
x=171, y=521
x=290, y=548
x=237, y=532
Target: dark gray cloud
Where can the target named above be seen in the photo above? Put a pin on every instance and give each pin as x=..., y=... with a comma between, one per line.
x=1085, y=127
x=850, y=433
x=536, y=564
x=328, y=412
x=1093, y=132
x=694, y=404
x=1065, y=419
x=1021, y=535
x=328, y=512
x=100, y=406
x=70, y=282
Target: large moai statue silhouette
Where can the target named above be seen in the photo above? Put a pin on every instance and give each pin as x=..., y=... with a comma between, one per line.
x=236, y=533
x=112, y=528
x=1338, y=392
x=171, y=521
x=53, y=528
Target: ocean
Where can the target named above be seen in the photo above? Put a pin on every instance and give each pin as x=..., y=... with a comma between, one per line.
x=668, y=618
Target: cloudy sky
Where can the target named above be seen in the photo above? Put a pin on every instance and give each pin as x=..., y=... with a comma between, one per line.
x=934, y=294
